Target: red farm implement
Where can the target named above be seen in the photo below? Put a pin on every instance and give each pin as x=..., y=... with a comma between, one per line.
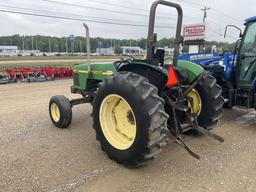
x=37, y=74
x=6, y=78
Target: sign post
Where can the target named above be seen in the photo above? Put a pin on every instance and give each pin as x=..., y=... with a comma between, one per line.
x=194, y=36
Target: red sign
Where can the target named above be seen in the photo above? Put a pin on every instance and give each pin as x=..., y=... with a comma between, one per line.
x=194, y=32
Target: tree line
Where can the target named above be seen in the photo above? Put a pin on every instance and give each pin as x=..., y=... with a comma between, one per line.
x=78, y=44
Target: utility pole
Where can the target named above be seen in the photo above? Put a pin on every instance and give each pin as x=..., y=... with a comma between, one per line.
x=11, y=41
x=80, y=46
x=66, y=45
x=22, y=43
x=32, y=43
x=205, y=9
x=36, y=45
x=50, y=47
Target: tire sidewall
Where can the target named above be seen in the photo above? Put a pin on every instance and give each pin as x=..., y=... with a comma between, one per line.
x=128, y=93
x=65, y=111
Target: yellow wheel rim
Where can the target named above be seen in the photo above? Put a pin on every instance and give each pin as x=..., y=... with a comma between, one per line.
x=117, y=122
x=197, y=102
x=55, y=112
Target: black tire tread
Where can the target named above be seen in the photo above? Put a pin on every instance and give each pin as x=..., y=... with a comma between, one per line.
x=213, y=101
x=65, y=110
x=155, y=111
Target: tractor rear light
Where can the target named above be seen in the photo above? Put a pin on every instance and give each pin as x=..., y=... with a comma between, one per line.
x=172, y=78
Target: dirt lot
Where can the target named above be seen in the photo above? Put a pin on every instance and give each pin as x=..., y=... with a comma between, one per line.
x=36, y=156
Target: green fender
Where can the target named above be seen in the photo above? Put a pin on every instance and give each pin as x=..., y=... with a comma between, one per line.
x=143, y=64
x=101, y=70
x=193, y=70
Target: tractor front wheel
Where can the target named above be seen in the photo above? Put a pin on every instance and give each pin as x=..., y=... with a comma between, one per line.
x=129, y=118
x=60, y=111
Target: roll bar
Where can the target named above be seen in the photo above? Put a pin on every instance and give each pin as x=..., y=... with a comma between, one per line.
x=151, y=36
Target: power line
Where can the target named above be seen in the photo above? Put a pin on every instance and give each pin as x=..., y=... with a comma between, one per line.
x=219, y=24
x=71, y=15
x=223, y=28
x=192, y=3
x=183, y=3
x=126, y=7
x=58, y=13
x=216, y=11
x=98, y=9
x=77, y=19
x=226, y=21
x=129, y=13
x=227, y=16
x=116, y=5
x=205, y=9
x=221, y=34
x=108, y=10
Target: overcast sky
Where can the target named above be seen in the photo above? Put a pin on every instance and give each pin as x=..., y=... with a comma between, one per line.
x=222, y=12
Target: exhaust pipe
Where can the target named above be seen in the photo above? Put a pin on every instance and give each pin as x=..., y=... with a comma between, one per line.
x=88, y=47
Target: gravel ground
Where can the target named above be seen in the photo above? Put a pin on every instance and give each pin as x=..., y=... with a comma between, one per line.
x=36, y=156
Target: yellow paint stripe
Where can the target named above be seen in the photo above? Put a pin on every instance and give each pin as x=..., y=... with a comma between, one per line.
x=80, y=71
x=95, y=72
x=108, y=73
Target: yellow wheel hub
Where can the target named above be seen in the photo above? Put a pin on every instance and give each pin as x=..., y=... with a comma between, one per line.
x=197, y=102
x=55, y=112
x=117, y=122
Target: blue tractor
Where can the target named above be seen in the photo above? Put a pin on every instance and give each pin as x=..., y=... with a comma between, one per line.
x=235, y=72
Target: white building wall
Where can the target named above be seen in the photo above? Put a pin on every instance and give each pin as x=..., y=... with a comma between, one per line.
x=8, y=49
x=131, y=50
x=105, y=51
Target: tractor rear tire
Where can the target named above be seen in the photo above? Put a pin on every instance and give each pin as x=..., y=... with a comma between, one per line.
x=212, y=102
x=60, y=111
x=148, y=121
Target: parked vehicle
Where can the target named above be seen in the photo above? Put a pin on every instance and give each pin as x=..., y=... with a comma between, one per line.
x=236, y=72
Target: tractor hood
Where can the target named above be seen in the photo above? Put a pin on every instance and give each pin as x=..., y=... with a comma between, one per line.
x=102, y=68
x=99, y=71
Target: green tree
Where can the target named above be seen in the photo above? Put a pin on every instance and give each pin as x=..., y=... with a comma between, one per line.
x=58, y=44
x=118, y=50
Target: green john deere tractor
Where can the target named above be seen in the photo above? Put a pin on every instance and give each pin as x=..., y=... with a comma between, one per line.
x=137, y=103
